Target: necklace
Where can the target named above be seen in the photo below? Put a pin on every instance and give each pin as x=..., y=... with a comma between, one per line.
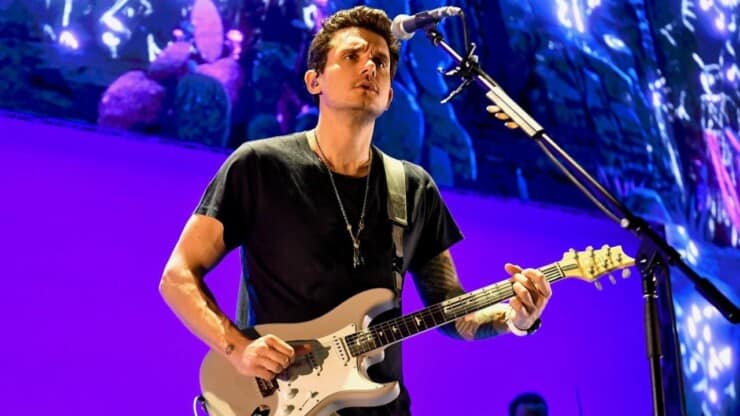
x=357, y=259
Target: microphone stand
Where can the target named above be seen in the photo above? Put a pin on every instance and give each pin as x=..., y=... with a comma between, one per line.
x=655, y=255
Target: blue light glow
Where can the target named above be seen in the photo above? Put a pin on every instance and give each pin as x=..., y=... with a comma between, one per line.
x=706, y=356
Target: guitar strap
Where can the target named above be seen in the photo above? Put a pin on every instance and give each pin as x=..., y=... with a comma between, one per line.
x=395, y=178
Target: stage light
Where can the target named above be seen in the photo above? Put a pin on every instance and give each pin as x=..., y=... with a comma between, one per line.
x=68, y=40
x=235, y=36
x=691, y=327
x=719, y=22
x=111, y=40
x=712, y=395
x=113, y=23
x=725, y=356
x=695, y=312
x=570, y=15
x=614, y=42
x=705, y=4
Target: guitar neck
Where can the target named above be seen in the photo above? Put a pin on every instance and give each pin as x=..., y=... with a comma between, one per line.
x=397, y=329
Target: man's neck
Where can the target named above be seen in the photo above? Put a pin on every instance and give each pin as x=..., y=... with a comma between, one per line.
x=345, y=144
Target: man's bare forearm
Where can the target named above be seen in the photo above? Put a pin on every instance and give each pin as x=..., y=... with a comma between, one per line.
x=485, y=323
x=190, y=300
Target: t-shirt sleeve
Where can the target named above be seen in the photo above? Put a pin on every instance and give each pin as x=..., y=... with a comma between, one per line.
x=438, y=229
x=228, y=198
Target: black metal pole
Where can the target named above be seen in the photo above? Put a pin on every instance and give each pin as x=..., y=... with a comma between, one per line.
x=649, y=269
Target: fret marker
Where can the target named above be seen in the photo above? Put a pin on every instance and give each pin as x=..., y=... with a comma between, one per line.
x=418, y=321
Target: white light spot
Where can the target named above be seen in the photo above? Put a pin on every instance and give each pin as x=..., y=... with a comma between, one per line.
x=712, y=395
x=68, y=39
x=725, y=356
x=693, y=249
x=691, y=327
x=695, y=312
x=111, y=40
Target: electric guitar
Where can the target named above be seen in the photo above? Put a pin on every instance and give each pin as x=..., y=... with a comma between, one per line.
x=344, y=344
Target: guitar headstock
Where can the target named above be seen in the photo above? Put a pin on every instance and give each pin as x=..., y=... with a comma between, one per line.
x=590, y=264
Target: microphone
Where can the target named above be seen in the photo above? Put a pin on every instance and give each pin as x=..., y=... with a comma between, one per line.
x=404, y=26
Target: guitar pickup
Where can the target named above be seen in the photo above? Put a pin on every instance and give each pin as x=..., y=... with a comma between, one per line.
x=267, y=387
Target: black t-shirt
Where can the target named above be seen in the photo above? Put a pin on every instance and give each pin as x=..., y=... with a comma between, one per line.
x=276, y=201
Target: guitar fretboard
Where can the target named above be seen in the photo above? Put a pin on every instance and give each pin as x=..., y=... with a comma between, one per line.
x=397, y=329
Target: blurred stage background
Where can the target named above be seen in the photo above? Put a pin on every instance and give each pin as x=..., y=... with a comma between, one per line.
x=117, y=113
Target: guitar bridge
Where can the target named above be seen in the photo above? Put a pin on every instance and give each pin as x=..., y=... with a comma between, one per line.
x=267, y=388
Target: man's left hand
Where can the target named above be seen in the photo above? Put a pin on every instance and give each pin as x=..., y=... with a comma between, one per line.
x=532, y=292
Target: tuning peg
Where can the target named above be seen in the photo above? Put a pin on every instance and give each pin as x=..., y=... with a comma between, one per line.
x=626, y=273
x=612, y=279
x=511, y=125
x=501, y=116
x=598, y=285
x=493, y=109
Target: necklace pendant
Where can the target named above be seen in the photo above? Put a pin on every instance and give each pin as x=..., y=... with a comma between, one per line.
x=357, y=259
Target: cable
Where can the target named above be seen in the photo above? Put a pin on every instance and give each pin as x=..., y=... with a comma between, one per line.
x=580, y=186
x=202, y=400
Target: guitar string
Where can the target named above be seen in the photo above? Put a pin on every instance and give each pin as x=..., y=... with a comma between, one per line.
x=466, y=303
x=480, y=296
x=469, y=302
x=457, y=309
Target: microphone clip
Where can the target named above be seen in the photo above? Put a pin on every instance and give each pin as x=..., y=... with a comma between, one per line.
x=466, y=70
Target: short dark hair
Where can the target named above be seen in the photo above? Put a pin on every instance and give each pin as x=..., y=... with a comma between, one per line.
x=375, y=20
x=534, y=404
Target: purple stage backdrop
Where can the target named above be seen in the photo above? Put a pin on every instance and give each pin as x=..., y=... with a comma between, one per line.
x=89, y=219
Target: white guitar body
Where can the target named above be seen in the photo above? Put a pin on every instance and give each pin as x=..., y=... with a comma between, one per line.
x=317, y=384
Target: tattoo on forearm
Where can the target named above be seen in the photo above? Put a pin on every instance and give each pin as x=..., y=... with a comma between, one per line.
x=437, y=281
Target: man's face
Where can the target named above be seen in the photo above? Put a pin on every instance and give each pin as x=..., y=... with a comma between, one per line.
x=357, y=75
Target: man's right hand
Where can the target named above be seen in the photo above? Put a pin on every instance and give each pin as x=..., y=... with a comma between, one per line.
x=265, y=357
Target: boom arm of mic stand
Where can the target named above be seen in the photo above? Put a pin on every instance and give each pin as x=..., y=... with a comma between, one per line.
x=629, y=221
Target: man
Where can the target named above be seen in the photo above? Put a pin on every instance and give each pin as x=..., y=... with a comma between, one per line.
x=309, y=211
x=528, y=404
